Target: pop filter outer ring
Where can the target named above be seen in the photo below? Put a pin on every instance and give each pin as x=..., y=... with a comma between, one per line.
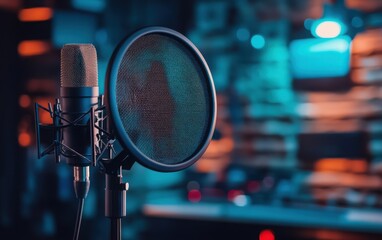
x=112, y=106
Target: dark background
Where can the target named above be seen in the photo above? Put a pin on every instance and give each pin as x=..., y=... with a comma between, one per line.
x=297, y=150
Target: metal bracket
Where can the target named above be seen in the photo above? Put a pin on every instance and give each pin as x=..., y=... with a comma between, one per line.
x=99, y=142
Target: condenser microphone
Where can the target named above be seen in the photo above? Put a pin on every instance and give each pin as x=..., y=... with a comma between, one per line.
x=78, y=93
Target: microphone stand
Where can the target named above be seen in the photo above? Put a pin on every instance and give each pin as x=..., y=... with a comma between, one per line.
x=115, y=190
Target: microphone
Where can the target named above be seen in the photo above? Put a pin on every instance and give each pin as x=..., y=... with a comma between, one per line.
x=78, y=93
x=77, y=118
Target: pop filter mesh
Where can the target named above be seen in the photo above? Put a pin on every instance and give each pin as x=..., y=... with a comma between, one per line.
x=163, y=99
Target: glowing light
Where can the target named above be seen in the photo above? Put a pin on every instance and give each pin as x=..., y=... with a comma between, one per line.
x=236, y=176
x=233, y=193
x=45, y=117
x=242, y=34
x=194, y=196
x=327, y=29
x=320, y=57
x=357, y=22
x=24, y=139
x=266, y=235
x=35, y=14
x=308, y=23
x=33, y=47
x=341, y=165
x=24, y=101
x=241, y=200
x=257, y=41
x=340, y=45
x=90, y=5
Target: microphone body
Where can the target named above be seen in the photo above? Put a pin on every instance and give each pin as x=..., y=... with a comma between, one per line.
x=75, y=101
x=78, y=94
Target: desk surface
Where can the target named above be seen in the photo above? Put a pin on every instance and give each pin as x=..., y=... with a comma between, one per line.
x=361, y=220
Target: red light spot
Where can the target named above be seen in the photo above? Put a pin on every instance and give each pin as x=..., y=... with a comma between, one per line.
x=266, y=235
x=233, y=193
x=253, y=186
x=194, y=195
x=24, y=139
x=24, y=101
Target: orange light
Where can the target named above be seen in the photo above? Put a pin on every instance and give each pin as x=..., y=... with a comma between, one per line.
x=208, y=165
x=33, y=47
x=358, y=166
x=344, y=180
x=45, y=117
x=24, y=101
x=35, y=14
x=335, y=109
x=24, y=139
x=341, y=165
x=266, y=235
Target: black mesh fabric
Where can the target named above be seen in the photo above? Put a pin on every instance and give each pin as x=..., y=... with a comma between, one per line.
x=162, y=98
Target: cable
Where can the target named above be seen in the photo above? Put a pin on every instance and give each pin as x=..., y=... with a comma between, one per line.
x=78, y=219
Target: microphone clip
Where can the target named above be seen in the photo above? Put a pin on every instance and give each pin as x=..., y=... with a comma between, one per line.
x=100, y=137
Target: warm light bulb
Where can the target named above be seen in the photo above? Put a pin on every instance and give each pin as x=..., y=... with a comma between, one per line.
x=328, y=29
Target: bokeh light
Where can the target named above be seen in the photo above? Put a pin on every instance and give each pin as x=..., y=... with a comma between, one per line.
x=257, y=41
x=327, y=29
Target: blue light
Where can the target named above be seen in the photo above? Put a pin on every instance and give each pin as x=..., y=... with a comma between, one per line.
x=327, y=28
x=257, y=41
x=320, y=58
x=73, y=27
x=241, y=200
x=48, y=224
x=339, y=45
x=357, y=22
x=308, y=23
x=90, y=5
x=242, y=34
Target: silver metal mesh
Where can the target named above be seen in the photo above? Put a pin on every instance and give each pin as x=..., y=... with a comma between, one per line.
x=162, y=98
x=79, y=66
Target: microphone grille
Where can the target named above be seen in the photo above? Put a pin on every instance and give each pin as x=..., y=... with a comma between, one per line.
x=79, y=66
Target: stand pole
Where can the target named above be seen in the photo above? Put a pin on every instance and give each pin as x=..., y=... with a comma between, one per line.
x=115, y=197
x=115, y=230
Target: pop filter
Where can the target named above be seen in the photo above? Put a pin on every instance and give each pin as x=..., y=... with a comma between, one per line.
x=161, y=99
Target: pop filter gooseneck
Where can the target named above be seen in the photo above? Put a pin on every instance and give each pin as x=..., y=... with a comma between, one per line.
x=161, y=101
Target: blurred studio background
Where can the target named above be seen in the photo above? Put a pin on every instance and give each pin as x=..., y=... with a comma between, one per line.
x=297, y=152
